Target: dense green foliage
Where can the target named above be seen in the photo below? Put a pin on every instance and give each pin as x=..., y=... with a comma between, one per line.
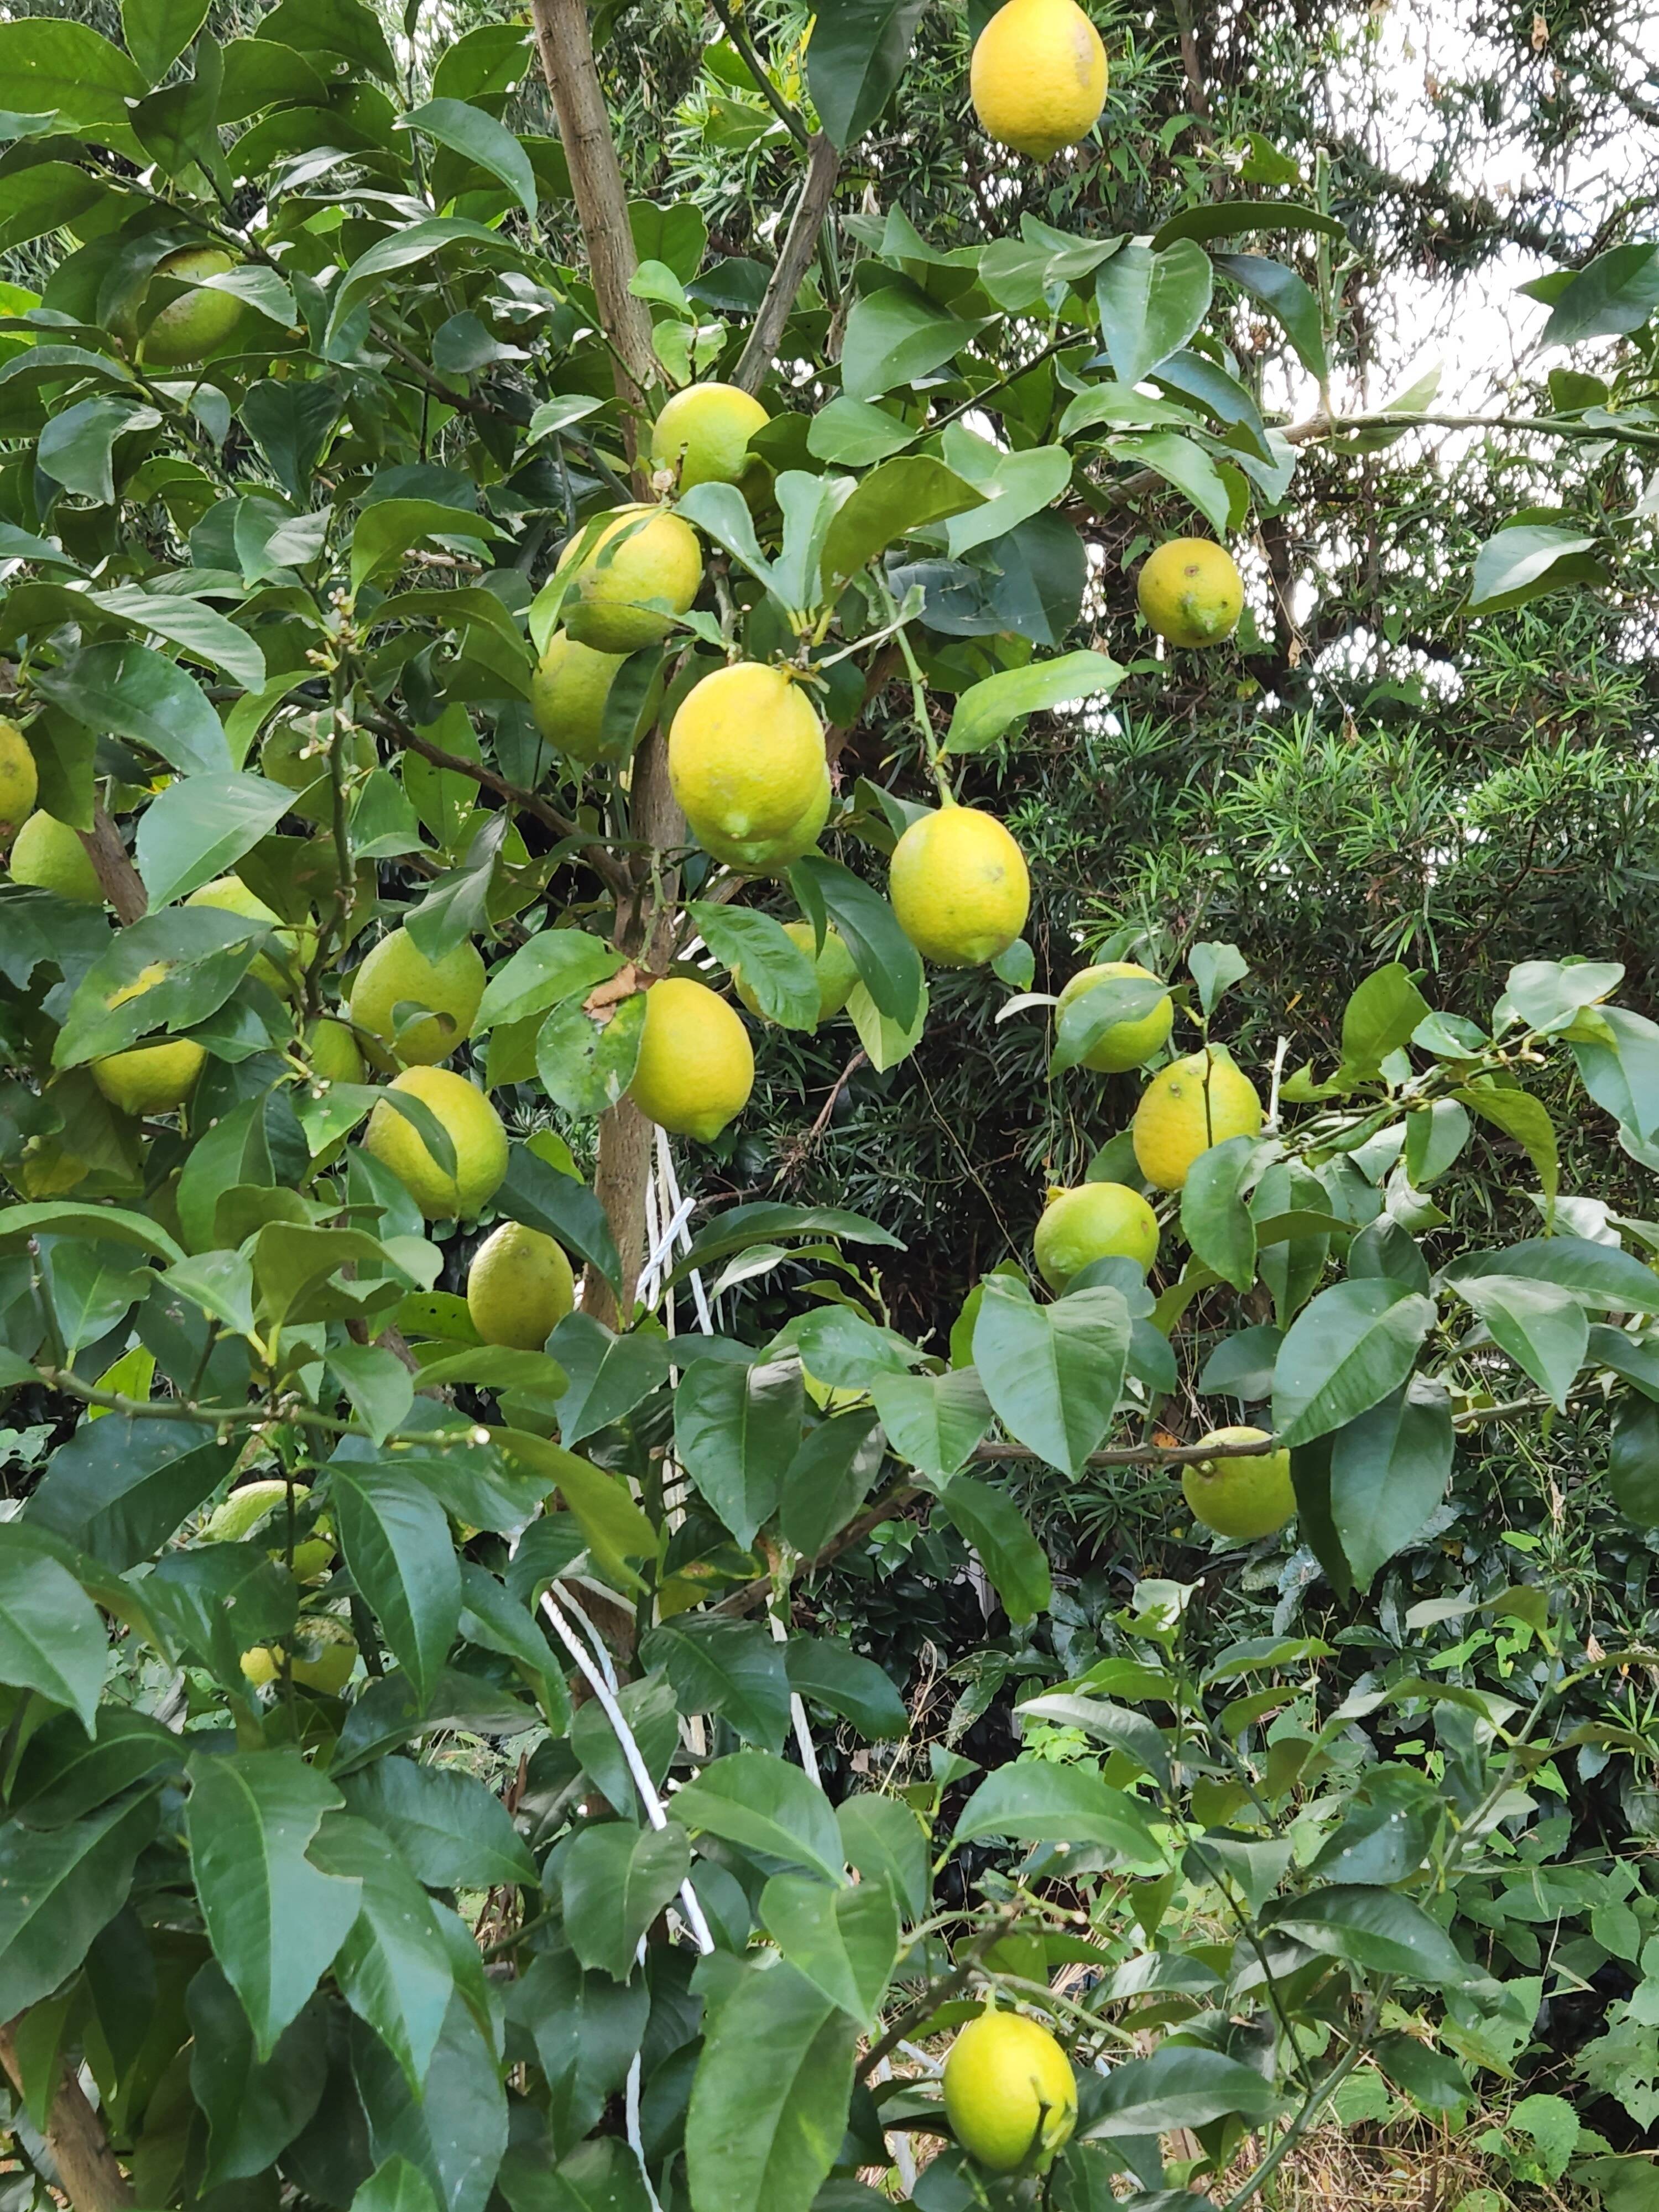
x=451, y=1762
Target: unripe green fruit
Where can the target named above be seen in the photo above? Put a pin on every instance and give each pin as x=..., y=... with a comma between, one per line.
x=568, y=694
x=474, y=1128
x=20, y=782
x=240, y=1514
x=833, y=967
x=519, y=1287
x=190, y=327
x=1242, y=1497
x=49, y=854
x=1010, y=2093
x=703, y=434
x=1096, y=1221
x=1126, y=1044
x=327, y=1670
x=333, y=1052
x=397, y=973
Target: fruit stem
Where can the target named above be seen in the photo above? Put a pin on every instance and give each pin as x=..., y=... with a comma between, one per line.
x=924, y=720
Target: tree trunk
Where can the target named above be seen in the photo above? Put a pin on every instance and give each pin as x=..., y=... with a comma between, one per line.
x=572, y=81
x=92, y=2179
x=121, y=883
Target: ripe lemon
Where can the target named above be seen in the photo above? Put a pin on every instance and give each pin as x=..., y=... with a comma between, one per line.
x=19, y=785
x=770, y=856
x=568, y=694
x=696, y=1067
x=397, y=973
x=1038, y=77
x=189, y=328
x=1126, y=1044
x=745, y=753
x=959, y=887
x=472, y=1125
x=1010, y=2095
x=1188, y=1106
x=1096, y=1221
x=643, y=553
x=1243, y=1498
x=833, y=966
x=149, y=1078
x=703, y=432
x=519, y=1287
x=48, y=853
x=1190, y=592
x=297, y=756
x=232, y=896
x=332, y=1051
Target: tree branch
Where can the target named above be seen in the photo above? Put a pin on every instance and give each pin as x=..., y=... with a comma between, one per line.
x=120, y=882
x=87, y=2168
x=817, y=190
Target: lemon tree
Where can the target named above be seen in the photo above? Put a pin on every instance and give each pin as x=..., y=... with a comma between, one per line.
x=440, y=599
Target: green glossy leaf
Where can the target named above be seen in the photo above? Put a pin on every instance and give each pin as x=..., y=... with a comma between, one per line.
x=768, y=2101
x=200, y=827
x=1380, y=1018
x=856, y=58
x=775, y=970
x=275, y=1921
x=58, y=1888
x=480, y=138
x=736, y=1431
x=120, y=1487
x=933, y=1421
x=454, y=1834
x=1375, y=1930
x=889, y=965
x=51, y=1636
x=1347, y=1349
x=614, y=1879
x=1014, y=1561
x=831, y=1673
x=1180, y=2085
x=1519, y=1114
x=255, y=2107
x=394, y=1536
x=544, y=1198
x=1543, y=1328
x=1284, y=294
x=1214, y=1218
x=1149, y=304
x=1227, y=218
x=1052, y=1373
x=731, y=1668
x=897, y=497
x=845, y=1941
x=1615, y=293
x=1526, y=561
x=1388, y=1472
x=393, y=1968
x=764, y=1804
x=1033, y=1801
x=988, y=707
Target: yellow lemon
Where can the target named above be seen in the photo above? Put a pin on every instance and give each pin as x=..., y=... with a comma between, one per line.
x=1188, y=1106
x=1010, y=2093
x=397, y=973
x=643, y=553
x=297, y=756
x=959, y=887
x=20, y=784
x=48, y=853
x=332, y=1051
x=1038, y=77
x=1190, y=592
x=696, y=1067
x=232, y=895
x=833, y=966
x=1096, y=1221
x=568, y=694
x=189, y=328
x=1126, y=1044
x=1242, y=1497
x=473, y=1128
x=149, y=1078
x=745, y=753
x=519, y=1287
x=703, y=434
x=770, y=856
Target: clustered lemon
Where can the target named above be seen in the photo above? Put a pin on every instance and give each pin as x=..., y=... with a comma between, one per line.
x=746, y=753
x=832, y=964
x=1010, y=2093
x=703, y=434
x=1190, y=592
x=20, y=784
x=519, y=1287
x=1188, y=1106
x=1096, y=1221
x=1241, y=1495
x=396, y=973
x=473, y=1128
x=696, y=1067
x=567, y=696
x=959, y=887
x=640, y=569
x=49, y=854
x=1038, y=76
x=1127, y=1043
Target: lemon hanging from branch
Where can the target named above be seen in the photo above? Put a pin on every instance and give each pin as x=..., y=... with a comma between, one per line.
x=1038, y=77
